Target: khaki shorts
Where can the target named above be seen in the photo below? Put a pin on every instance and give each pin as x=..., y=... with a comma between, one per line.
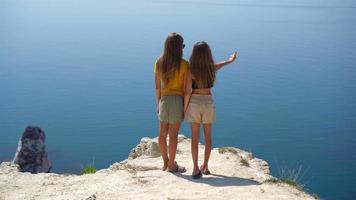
x=201, y=109
x=171, y=109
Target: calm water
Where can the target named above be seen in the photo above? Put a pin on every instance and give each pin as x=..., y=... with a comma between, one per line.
x=83, y=71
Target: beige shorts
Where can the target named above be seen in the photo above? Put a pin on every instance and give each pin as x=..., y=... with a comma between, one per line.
x=201, y=109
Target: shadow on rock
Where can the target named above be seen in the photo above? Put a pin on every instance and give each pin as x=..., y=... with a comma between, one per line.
x=218, y=180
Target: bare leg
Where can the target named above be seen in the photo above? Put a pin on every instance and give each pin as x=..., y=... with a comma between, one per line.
x=195, y=127
x=208, y=145
x=162, y=140
x=173, y=141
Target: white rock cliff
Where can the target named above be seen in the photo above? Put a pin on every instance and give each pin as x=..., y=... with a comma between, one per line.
x=236, y=174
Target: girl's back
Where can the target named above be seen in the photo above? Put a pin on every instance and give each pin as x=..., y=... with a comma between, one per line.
x=175, y=84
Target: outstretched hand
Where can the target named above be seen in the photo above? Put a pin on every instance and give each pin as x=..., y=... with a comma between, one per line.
x=226, y=62
x=233, y=56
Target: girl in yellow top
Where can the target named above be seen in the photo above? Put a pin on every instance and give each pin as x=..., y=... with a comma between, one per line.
x=171, y=73
x=201, y=109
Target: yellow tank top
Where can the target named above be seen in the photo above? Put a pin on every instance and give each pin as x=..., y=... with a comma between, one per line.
x=175, y=85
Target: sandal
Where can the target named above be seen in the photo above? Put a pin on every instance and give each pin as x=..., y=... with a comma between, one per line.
x=178, y=169
x=197, y=176
x=205, y=172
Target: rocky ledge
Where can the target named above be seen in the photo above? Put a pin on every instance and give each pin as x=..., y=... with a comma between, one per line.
x=236, y=174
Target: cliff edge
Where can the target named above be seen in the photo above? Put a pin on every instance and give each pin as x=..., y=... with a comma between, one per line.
x=236, y=174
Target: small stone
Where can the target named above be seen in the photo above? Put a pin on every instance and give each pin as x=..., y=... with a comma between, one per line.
x=181, y=137
x=92, y=197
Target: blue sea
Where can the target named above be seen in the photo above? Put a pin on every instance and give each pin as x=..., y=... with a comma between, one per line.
x=83, y=71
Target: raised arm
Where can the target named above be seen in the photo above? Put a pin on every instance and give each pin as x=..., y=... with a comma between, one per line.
x=226, y=62
x=158, y=91
x=187, y=90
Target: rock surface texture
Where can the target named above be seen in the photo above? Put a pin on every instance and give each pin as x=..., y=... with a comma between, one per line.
x=31, y=154
x=236, y=174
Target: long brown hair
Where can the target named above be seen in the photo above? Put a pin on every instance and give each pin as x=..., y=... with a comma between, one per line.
x=202, y=65
x=171, y=57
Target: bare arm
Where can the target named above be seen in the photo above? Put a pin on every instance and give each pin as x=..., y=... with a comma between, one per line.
x=158, y=91
x=226, y=62
x=187, y=89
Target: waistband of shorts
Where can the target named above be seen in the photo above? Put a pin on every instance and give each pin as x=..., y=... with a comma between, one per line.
x=201, y=97
x=171, y=96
